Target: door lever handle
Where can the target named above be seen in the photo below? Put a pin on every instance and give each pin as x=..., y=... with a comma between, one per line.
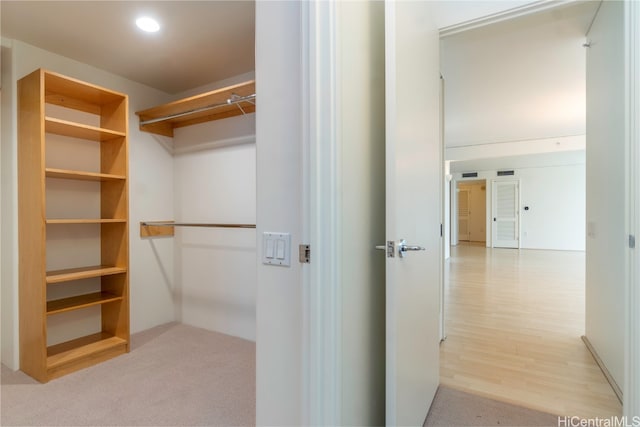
x=403, y=248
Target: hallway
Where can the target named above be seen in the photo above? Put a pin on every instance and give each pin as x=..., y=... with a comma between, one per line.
x=514, y=319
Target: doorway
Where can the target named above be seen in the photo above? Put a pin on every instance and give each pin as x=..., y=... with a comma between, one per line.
x=472, y=211
x=489, y=138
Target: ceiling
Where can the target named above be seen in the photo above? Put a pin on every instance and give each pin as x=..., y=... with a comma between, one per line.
x=517, y=80
x=200, y=41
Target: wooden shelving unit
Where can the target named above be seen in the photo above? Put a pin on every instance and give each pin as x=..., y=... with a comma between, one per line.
x=108, y=112
x=189, y=112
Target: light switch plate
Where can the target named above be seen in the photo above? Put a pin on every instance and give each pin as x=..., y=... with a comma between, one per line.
x=276, y=249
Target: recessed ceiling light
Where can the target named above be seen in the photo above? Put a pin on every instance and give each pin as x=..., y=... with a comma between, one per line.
x=147, y=24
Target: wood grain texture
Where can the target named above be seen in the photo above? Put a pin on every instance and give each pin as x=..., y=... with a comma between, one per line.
x=88, y=94
x=69, y=221
x=83, y=352
x=111, y=107
x=31, y=226
x=514, y=319
x=70, y=274
x=156, y=231
x=80, y=301
x=81, y=176
x=218, y=96
x=79, y=130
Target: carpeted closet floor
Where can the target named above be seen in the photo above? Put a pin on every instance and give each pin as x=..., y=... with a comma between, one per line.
x=178, y=375
x=175, y=375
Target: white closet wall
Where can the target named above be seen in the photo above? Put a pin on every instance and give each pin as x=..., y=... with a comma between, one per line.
x=215, y=181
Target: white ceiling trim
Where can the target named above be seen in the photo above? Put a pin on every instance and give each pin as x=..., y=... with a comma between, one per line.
x=527, y=9
x=520, y=148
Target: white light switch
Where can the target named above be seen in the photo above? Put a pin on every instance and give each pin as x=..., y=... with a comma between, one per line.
x=276, y=249
x=269, y=248
x=280, y=251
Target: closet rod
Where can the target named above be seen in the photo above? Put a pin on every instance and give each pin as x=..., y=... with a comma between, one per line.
x=234, y=100
x=194, y=224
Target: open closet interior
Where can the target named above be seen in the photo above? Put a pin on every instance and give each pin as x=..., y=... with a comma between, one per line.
x=73, y=165
x=214, y=190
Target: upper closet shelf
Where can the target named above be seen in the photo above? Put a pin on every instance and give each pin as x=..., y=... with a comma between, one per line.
x=218, y=104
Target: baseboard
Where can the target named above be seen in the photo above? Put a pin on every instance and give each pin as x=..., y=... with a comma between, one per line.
x=603, y=368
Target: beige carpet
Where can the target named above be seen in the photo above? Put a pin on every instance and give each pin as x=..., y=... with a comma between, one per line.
x=178, y=375
x=456, y=408
x=175, y=375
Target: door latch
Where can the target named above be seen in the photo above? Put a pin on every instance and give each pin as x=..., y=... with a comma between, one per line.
x=304, y=254
x=390, y=248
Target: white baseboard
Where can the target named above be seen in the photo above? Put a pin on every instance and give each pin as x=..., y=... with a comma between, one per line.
x=603, y=368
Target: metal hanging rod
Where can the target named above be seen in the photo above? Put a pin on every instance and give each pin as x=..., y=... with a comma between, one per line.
x=194, y=224
x=234, y=100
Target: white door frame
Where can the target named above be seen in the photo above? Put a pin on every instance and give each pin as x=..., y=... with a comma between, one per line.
x=321, y=374
x=631, y=386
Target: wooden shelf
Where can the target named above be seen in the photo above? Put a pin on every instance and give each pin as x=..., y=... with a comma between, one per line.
x=78, y=130
x=78, y=95
x=81, y=176
x=80, y=301
x=187, y=105
x=86, y=221
x=103, y=118
x=70, y=274
x=72, y=351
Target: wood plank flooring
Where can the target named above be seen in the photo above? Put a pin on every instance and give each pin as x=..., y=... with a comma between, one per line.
x=514, y=319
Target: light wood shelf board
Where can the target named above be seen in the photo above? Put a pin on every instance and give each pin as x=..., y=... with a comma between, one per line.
x=218, y=96
x=80, y=301
x=70, y=88
x=70, y=274
x=81, y=176
x=86, y=221
x=156, y=231
x=70, y=351
x=79, y=130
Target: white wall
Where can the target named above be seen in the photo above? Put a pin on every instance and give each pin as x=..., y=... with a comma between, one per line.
x=215, y=181
x=605, y=252
x=556, y=200
x=527, y=80
x=279, y=334
x=362, y=207
x=151, y=174
x=555, y=196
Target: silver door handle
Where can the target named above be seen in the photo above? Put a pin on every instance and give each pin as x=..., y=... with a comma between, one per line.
x=403, y=248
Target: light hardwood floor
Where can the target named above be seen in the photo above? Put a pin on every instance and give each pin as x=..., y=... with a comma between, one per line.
x=514, y=319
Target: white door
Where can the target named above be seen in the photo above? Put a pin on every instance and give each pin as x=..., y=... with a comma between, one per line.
x=506, y=213
x=463, y=214
x=413, y=205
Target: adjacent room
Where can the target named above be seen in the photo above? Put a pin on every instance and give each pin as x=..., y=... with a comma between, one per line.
x=515, y=144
